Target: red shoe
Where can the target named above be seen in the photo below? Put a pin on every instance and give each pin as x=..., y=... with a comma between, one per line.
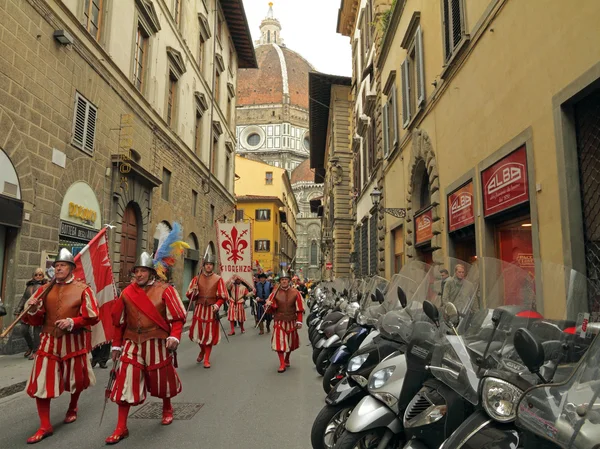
x=207, y=365
x=40, y=435
x=231, y=333
x=200, y=357
x=71, y=416
x=167, y=417
x=243, y=331
x=118, y=435
x=281, y=369
x=287, y=363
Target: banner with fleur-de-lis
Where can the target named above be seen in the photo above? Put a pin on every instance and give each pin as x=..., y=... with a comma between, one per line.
x=235, y=251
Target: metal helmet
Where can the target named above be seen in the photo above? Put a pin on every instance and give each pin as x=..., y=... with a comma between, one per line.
x=283, y=274
x=144, y=261
x=64, y=255
x=210, y=258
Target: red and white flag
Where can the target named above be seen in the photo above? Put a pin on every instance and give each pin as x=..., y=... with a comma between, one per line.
x=93, y=265
x=235, y=251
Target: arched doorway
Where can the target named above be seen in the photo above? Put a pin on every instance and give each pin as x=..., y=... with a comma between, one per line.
x=129, y=243
x=190, y=261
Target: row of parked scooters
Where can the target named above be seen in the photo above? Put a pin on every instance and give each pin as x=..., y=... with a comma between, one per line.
x=478, y=366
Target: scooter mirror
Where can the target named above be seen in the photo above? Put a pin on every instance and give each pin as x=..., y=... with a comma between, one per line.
x=373, y=298
x=358, y=296
x=402, y=297
x=333, y=290
x=529, y=349
x=379, y=296
x=345, y=293
x=451, y=315
x=432, y=312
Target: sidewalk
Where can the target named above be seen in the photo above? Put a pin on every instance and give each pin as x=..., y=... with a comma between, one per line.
x=15, y=369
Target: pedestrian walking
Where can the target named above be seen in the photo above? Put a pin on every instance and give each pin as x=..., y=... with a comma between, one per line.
x=238, y=293
x=148, y=318
x=286, y=303
x=31, y=334
x=66, y=309
x=208, y=291
x=457, y=289
x=264, y=289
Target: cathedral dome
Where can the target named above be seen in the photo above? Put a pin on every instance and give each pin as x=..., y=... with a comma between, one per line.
x=303, y=173
x=281, y=78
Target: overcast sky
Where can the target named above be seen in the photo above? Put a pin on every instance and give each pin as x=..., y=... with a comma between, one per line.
x=309, y=28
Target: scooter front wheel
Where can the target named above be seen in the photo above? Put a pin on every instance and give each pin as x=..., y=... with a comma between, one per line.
x=329, y=378
x=329, y=425
x=315, y=354
x=368, y=439
x=323, y=361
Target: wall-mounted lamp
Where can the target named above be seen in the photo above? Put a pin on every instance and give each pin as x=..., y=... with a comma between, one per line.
x=63, y=37
x=376, y=199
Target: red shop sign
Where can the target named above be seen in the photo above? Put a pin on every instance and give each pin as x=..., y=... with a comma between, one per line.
x=423, y=227
x=505, y=183
x=461, y=212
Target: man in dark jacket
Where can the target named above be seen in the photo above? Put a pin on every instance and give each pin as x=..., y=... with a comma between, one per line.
x=36, y=281
x=263, y=291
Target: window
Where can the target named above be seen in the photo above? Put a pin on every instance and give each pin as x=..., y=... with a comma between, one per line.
x=214, y=159
x=220, y=28
x=198, y=134
x=306, y=143
x=212, y=214
x=166, y=184
x=227, y=170
x=194, y=202
x=263, y=215
x=454, y=26
x=269, y=178
x=92, y=11
x=139, y=62
x=239, y=215
x=390, y=122
x=200, y=54
x=398, y=249
x=366, y=30
x=313, y=253
x=171, y=100
x=413, y=79
x=177, y=11
x=253, y=139
x=84, y=124
x=371, y=147
x=268, y=36
x=217, y=86
x=262, y=245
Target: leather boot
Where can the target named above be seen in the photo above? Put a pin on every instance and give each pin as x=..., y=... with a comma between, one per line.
x=261, y=326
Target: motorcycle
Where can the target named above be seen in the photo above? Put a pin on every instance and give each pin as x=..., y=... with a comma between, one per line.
x=547, y=353
x=347, y=393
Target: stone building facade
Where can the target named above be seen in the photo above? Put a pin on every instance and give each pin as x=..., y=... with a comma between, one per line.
x=95, y=132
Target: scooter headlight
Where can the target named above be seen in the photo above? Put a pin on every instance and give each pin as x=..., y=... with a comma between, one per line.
x=500, y=399
x=361, y=319
x=356, y=362
x=379, y=378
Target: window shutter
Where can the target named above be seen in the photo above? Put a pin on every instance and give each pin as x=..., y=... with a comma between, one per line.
x=90, y=132
x=420, y=72
x=79, y=122
x=386, y=143
x=394, y=116
x=405, y=93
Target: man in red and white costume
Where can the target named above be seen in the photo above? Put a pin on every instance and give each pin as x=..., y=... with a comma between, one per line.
x=66, y=309
x=237, y=298
x=287, y=308
x=209, y=292
x=148, y=318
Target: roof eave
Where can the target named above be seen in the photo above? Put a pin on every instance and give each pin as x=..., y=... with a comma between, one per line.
x=237, y=22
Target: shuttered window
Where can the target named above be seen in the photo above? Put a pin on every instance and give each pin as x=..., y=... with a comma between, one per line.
x=84, y=124
x=373, y=245
x=413, y=79
x=454, y=26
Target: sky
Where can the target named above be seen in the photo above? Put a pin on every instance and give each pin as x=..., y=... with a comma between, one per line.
x=308, y=27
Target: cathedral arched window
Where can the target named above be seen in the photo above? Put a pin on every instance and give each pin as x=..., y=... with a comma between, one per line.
x=313, y=253
x=268, y=36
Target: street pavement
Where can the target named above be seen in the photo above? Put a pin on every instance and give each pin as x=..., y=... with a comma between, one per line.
x=246, y=404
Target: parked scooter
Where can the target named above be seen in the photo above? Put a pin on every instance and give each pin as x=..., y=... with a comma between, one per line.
x=329, y=423
x=547, y=350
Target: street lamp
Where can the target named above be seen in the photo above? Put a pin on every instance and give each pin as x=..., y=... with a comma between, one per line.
x=376, y=199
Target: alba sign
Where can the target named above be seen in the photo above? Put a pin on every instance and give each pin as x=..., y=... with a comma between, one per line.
x=461, y=212
x=423, y=227
x=505, y=183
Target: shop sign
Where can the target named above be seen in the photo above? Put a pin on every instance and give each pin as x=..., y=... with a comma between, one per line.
x=74, y=231
x=505, y=183
x=461, y=211
x=329, y=265
x=80, y=206
x=424, y=227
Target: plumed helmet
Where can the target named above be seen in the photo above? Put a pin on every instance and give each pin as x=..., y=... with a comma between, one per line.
x=283, y=274
x=64, y=255
x=210, y=258
x=144, y=261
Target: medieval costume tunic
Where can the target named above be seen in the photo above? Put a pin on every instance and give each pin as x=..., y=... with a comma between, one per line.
x=206, y=290
x=62, y=361
x=144, y=318
x=236, y=311
x=287, y=309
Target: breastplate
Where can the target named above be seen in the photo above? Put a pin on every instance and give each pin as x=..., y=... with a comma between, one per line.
x=207, y=289
x=286, y=305
x=139, y=327
x=63, y=301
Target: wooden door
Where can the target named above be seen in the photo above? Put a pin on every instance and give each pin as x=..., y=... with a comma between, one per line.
x=129, y=236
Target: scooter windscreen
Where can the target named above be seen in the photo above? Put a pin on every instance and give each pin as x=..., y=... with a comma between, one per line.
x=370, y=307
x=568, y=413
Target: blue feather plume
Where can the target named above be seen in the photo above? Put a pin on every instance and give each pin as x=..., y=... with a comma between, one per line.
x=165, y=249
